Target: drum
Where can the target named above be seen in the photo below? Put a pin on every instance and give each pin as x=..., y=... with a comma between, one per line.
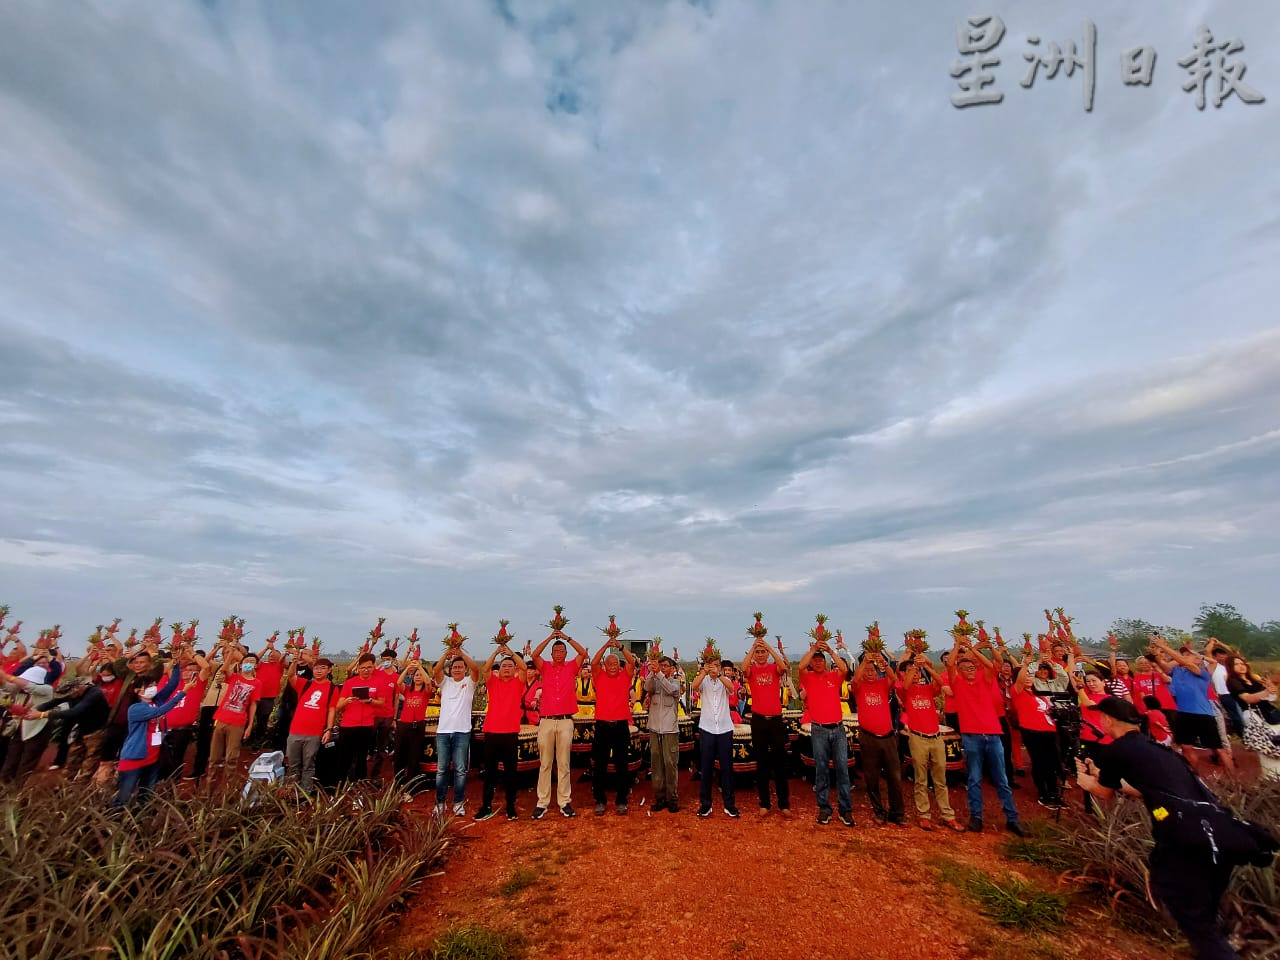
x=685, y=738
x=744, y=754
x=640, y=719
x=584, y=734
x=527, y=748
x=955, y=751
x=791, y=720
x=430, y=761
x=851, y=735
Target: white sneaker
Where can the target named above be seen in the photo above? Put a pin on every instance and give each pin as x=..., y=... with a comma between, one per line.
x=439, y=809
x=459, y=809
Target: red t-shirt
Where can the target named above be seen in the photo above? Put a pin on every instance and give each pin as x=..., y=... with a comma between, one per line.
x=1158, y=726
x=357, y=713
x=238, y=697
x=613, y=695
x=763, y=680
x=919, y=702
x=1088, y=733
x=503, y=714
x=269, y=675
x=559, y=688
x=1152, y=685
x=111, y=690
x=976, y=703
x=384, y=684
x=872, y=697
x=311, y=716
x=1033, y=712
x=822, y=695
x=188, y=711
x=415, y=704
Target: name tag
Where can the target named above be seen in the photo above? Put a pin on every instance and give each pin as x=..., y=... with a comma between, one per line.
x=157, y=737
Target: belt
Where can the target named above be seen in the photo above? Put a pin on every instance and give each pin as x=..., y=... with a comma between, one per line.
x=557, y=716
x=926, y=736
x=826, y=725
x=877, y=736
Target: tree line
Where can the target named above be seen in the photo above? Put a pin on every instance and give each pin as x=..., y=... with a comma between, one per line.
x=1256, y=641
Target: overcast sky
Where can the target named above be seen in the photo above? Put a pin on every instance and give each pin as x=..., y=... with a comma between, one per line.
x=315, y=312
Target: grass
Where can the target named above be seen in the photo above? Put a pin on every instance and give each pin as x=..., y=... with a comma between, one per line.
x=521, y=879
x=1008, y=901
x=475, y=942
x=1043, y=847
x=208, y=878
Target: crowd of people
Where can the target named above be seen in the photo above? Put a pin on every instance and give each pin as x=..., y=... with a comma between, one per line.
x=144, y=713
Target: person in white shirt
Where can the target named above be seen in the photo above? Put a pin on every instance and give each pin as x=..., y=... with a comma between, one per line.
x=453, y=735
x=716, y=726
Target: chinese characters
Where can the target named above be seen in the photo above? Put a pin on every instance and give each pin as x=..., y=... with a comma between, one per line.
x=1212, y=75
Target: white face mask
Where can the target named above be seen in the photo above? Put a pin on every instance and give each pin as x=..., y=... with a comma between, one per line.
x=106, y=677
x=148, y=693
x=248, y=667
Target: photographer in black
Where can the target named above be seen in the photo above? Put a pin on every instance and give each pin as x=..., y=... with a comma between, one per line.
x=1194, y=852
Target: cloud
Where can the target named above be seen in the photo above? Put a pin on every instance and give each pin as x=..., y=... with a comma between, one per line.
x=667, y=305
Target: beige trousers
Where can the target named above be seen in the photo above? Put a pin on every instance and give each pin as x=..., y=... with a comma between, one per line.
x=555, y=738
x=930, y=757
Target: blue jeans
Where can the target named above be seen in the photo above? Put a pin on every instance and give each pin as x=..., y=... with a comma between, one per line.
x=142, y=781
x=452, y=748
x=829, y=744
x=985, y=750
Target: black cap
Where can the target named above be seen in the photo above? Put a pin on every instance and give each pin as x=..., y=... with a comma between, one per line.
x=1118, y=709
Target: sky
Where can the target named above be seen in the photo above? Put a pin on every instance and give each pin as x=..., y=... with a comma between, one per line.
x=318, y=312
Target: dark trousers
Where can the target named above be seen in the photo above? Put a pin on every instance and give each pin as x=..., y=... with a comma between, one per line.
x=1042, y=745
x=500, y=749
x=881, y=754
x=204, y=737
x=1190, y=886
x=22, y=756
x=140, y=782
x=717, y=746
x=63, y=740
x=612, y=745
x=1006, y=740
x=408, y=759
x=382, y=743
x=769, y=741
x=354, y=744
x=173, y=750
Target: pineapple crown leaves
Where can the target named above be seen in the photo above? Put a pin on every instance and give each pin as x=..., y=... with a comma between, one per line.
x=612, y=631
x=559, y=621
x=454, y=639
x=502, y=636
x=710, y=651
x=758, y=629
x=820, y=632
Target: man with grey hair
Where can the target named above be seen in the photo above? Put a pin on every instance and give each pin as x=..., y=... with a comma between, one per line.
x=663, y=689
x=613, y=684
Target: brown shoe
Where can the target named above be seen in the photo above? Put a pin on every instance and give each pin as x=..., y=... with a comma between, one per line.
x=926, y=824
x=766, y=811
x=953, y=825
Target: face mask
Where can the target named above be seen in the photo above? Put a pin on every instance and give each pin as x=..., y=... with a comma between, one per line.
x=106, y=677
x=248, y=667
x=149, y=693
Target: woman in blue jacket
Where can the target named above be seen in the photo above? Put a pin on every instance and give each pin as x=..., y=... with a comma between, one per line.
x=140, y=756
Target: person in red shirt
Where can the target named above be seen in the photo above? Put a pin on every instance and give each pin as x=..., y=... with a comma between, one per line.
x=918, y=691
x=386, y=687
x=973, y=685
x=309, y=724
x=233, y=720
x=877, y=739
x=1034, y=712
x=271, y=668
x=764, y=672
x=613, y=684
x=505, y=687
x=555, y=722
x=356, y=703
x=416, y=689
x=822, y=695
x=181, y=721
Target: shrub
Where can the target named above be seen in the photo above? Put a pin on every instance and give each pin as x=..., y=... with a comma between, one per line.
x=217, y=877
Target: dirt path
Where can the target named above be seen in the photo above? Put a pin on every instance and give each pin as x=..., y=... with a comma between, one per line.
x=661, y=885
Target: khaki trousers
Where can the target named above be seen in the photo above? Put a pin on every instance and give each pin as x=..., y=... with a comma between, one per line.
x=930, y=757
x=225, y=743
x=664, y=755
x=555, y=738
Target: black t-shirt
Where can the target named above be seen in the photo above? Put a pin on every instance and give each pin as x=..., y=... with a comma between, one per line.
x=1151, y=769
x=1237, y=685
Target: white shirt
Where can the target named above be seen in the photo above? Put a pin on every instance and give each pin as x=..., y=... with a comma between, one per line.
x=714, y=700
x=1220, y=679
x=456, y=697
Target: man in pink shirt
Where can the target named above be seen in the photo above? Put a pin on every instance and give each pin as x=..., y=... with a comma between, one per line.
x=555, y=725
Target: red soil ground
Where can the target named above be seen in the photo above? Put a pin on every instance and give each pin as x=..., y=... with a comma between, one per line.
x=651, y=886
